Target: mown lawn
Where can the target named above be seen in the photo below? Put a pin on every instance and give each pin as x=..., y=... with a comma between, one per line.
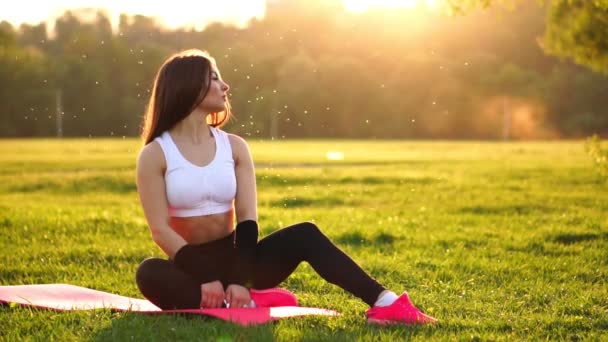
x=499, y=241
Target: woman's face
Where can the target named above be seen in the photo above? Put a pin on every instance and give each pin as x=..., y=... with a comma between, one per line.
x=215, y=100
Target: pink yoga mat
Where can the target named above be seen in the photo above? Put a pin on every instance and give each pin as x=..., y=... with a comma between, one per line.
x=65, y=297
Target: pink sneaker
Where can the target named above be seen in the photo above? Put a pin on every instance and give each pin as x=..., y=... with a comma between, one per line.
x=402, y=311
x=273, y=297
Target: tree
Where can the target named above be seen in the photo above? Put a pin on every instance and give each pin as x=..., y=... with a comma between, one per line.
x=8, y=37
x=576, y=29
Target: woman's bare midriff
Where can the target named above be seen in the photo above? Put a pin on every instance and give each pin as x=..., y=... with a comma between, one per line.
x=202, y=229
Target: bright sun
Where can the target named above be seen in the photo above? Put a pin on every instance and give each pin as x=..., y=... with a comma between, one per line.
x=364, y=5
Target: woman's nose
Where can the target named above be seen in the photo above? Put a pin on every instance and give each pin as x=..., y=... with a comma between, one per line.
x=225, y=86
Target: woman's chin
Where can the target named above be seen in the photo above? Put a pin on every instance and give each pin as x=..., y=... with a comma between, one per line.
x=217, y=109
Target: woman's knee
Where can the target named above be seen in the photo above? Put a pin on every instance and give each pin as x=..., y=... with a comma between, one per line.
x=309, y=229
x=149, y=270
x=163, y=284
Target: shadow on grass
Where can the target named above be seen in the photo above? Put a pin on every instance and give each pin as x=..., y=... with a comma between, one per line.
x=341, y=164
x=94, y=257
x=280, y=181
x=114, y=184
x=574, y=238
x=357, y=239
x=12, y=275
x=299, y=202
x=180, y=327
x=506, y=210
x=77, y=186
x=539, y=248
x=551, y=244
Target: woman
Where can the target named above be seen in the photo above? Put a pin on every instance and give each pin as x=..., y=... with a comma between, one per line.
x=193, y=178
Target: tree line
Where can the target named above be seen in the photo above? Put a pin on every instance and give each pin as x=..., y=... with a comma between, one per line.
x=320, y=72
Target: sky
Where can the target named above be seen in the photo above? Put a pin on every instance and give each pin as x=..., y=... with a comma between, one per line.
x=172, y=13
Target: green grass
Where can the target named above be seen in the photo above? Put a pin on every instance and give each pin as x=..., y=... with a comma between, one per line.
x=499, y=241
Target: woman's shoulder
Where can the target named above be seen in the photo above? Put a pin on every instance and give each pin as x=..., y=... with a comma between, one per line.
x=236, y=140
x=238, y=145
x=151, y=155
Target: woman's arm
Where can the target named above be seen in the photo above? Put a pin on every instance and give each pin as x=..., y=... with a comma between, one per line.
x=152, y=195
x=245, y=202
x=246, y=235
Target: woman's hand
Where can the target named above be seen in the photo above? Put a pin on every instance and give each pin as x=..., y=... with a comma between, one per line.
x=238, y=296
x=212, y=294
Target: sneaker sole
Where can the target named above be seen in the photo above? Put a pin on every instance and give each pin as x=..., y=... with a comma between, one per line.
x=428, y=321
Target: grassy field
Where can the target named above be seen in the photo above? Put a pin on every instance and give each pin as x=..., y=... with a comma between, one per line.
x=499, y=241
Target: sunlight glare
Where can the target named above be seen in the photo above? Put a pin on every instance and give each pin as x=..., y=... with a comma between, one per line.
x=432, y=4
x=334, y=155
x=359, y=6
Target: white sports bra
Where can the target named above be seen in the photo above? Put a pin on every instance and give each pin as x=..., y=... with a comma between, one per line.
x=199, y=190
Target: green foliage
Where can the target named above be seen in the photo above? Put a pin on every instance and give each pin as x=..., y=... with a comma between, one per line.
x=464, y=6
x=26, y=93
x=500, y=241
x=578, y=30
x=598, y=154
x=7, y=34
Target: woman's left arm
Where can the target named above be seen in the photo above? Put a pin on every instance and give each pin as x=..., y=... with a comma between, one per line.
x=245, y=202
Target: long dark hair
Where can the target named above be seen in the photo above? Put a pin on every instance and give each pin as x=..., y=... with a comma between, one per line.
x=180, y=85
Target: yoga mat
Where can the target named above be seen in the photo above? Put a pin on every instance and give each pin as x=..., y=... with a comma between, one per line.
x=65, y=297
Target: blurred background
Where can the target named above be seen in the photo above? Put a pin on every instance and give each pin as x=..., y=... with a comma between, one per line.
x=409, y=69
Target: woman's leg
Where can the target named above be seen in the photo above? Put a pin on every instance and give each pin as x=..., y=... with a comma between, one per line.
x=278, y=255
x=162, y=283
x=168, y=287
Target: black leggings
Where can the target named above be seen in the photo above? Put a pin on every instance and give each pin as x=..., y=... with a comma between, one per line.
x=276, y=257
